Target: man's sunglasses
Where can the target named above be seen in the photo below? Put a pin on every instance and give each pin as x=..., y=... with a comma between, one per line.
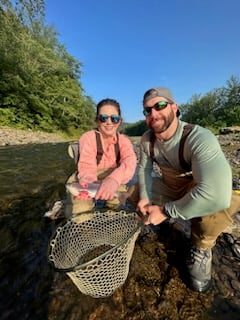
x=104, y=118
x=160, y=105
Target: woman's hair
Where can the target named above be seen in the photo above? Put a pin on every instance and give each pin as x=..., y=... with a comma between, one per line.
x=108, y=101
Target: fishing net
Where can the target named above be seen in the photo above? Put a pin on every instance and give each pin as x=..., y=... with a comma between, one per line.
x=95, y=250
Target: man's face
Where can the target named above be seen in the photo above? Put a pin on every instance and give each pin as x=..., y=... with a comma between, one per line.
x=160, y=120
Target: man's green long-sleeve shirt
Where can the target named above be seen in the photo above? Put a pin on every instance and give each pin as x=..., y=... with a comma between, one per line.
x=211, y=171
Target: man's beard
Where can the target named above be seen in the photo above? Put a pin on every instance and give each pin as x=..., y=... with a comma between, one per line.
x=167, y=121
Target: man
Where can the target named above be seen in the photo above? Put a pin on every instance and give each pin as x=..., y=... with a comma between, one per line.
x=195, y=181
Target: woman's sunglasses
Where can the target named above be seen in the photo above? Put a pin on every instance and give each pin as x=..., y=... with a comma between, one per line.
x=160, y=105
x=104, y=118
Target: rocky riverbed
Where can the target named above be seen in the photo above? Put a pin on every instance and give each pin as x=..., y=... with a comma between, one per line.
x=155, y=287
x=10, y=136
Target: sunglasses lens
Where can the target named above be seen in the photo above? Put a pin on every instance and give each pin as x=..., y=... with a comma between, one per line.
x=103, y=118
x=115, y=118
x=160, y=105
x=147, y=111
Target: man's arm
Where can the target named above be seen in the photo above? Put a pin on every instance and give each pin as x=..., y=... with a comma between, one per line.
x=213, y=177
x=145, y=170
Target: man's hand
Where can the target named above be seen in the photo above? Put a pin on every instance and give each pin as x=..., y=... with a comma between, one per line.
x=143, y=205
x=156, y=214
x=107, y=189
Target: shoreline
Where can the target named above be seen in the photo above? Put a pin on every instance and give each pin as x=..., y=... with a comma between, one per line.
x=11, y=136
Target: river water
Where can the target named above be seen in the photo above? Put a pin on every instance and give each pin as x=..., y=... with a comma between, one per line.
x=25, y=169
x=32, y=178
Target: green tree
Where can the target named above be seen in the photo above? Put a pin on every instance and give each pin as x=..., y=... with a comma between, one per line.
x=231, y=109
x=40, y=84
x=218, y=108
x=135, y=129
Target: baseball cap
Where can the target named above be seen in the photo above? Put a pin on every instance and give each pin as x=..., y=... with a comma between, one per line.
x=158, y=92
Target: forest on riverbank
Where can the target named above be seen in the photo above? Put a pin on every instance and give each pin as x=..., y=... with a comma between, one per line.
x=41, y=87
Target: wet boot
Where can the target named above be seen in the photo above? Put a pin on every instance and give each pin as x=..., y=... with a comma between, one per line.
x=199, y=265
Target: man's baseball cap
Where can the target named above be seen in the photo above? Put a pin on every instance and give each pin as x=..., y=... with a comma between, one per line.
x=158, y=92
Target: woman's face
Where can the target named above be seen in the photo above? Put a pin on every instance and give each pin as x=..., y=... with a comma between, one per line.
x=110, y=120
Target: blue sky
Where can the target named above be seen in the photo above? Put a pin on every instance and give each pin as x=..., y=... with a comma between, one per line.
x=129, y=46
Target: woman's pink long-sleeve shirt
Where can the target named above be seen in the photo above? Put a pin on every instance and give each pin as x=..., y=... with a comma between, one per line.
x=87, y=165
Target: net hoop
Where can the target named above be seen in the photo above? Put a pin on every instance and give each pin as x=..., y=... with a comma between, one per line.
x=138, y=227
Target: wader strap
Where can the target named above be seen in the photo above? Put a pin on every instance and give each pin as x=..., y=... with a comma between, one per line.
x=117, y=151
x=99, y=147
x=186, y=130
x=73, y=150
x=151, y=146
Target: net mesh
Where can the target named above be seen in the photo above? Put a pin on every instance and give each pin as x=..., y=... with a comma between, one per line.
x=95, y=250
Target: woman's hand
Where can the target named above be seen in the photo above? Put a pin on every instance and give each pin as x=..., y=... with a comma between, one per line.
x=143, y=206
x=107, y=189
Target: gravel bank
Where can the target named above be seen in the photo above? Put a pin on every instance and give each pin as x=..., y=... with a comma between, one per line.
x=9, y=136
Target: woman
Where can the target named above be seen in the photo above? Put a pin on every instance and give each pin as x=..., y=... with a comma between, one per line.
x=113, y=166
